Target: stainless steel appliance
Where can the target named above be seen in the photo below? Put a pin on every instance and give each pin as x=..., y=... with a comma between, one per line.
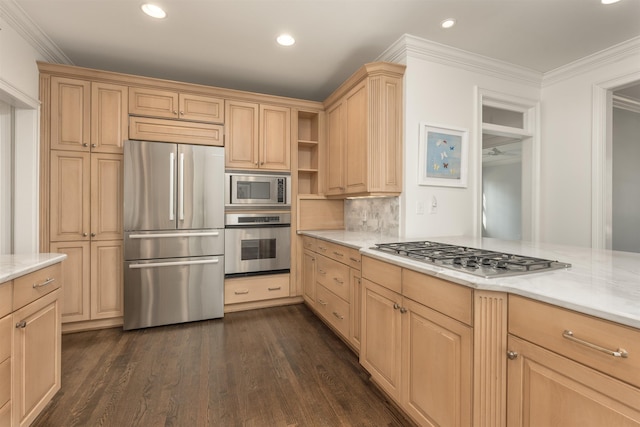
x=256, y=189
x=257, y=243
x=174, y=233
x=479, y=262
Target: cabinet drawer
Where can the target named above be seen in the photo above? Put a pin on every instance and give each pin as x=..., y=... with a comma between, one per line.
x=5, y=338
x=333, y=276
x=256, y=288
x=448, y=298
x=5, y=382
x=309, y=243
x=382, y=273
x=333, y=309
x=544, y=324
x=32, y=286
x=6, y=298
x=164, y=130
x=340, y=253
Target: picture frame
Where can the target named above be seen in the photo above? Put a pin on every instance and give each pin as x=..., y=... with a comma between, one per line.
x=443, y=153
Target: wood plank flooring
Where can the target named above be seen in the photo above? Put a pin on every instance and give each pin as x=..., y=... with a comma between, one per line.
x=272, y=367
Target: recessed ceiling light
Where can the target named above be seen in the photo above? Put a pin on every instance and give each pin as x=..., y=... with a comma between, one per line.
x=153, y=11
x=448, y=23
x=609, y=1
x=285, y=40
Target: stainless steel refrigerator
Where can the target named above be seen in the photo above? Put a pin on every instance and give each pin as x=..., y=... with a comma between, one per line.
x=174, y=233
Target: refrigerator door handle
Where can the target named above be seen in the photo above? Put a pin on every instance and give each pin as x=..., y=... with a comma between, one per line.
x=172, y=213
x=174, y=263
x=162, y=235
x=181, y=187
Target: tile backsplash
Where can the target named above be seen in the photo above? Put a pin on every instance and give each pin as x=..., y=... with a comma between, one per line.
x=380, y=214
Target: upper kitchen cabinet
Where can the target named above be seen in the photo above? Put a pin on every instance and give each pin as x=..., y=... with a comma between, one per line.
x=88, y=116
x=364, y=133
x=174, y=105
x=258, y=136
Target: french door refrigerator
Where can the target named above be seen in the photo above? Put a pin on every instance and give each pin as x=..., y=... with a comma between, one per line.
x=174, y=233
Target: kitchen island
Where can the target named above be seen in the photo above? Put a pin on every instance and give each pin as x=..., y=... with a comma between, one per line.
x=446, y=345
x=30, y=334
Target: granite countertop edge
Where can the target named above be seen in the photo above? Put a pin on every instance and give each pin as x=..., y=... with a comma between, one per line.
x=601, y=283
x=16, y=265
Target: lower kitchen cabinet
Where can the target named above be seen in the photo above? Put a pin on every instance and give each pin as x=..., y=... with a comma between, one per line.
x=309, y=277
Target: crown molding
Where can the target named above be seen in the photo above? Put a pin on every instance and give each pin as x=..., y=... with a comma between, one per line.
x=609, y=55
x=18, y=19
x=416, y=47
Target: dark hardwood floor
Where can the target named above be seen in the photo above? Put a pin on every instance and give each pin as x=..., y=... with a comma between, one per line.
x=271, y=367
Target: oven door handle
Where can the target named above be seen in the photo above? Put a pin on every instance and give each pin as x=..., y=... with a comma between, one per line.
x=162, y=235
x=174, y=263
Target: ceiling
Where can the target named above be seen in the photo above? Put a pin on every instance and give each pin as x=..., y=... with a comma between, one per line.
x=231, y=43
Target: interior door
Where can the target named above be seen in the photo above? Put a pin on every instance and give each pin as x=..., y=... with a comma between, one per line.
x=150, y=176
x=200, y=187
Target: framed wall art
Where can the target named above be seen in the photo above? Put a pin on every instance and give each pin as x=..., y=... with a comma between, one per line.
x=443, y=155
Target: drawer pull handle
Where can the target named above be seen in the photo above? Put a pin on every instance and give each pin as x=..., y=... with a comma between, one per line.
x=338, y=281
x=615, y=353
x=321, y=271
x=322, y=248
x=275, y=289
x=336, y=253
x=338, y=316
x=45, y=283
x=21, y=324
x=241, y=292
x=321, y=302
x=354, y=259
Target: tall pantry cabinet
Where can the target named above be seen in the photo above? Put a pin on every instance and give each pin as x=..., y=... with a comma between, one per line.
x=84, y=126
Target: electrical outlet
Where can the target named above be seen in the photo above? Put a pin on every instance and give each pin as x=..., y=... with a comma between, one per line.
x=420, y=208
x=433, y=207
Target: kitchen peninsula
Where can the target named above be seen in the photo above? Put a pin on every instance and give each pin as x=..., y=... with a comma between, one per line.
x=446, y=345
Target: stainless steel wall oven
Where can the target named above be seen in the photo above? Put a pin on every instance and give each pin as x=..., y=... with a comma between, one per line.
x=257, y=243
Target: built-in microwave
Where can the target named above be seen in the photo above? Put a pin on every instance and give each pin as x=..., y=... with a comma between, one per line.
x=257, y=189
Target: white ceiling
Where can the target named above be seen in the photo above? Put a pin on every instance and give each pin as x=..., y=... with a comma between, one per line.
x=230, y=43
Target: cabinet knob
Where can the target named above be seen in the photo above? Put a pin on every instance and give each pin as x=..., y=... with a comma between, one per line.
x=175, y=112
x=512, y=355
x=93, y=145
x=182, y=113
x=403, y=310
x=396, y=306
x=262, y=163
x=256, y=163
x=84, y=144
x=21, y=324
x=93, y=234
x=85, y=234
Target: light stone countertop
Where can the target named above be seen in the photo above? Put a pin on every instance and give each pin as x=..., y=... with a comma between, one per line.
x=601, y=283
x=13, y=266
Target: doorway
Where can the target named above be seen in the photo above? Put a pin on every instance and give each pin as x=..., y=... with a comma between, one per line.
x=508, y=195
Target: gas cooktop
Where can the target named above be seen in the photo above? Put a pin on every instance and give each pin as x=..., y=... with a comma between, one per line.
x=479, y=262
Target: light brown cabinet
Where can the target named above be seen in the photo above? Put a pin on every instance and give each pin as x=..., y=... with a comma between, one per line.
x=420, y=356
x=88, y=116
x=364, y=133
x=258, y=136
x=30, y=345
x=168, y=104
x=556, y=378
x=310, y=152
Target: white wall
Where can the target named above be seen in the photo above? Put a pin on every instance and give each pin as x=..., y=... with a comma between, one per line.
x=443, y=92
x=626, y=177
x=566, y=148
x=19, y=82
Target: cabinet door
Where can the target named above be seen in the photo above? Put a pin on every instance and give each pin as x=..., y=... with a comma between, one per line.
x=436, y=367
x=106, y=279
x=201, y=108
x=309, y=276
x=335, y=150
x=153, y=102
x=70, y=192
x=381, y=336
x=106, y=196
x=241, y=127
x=36, y=357
x=70, y=114
x=109, y=114
x=356, y=307
x=547, y=389
x=275, y=138
x=355, y=105
x=75, y=299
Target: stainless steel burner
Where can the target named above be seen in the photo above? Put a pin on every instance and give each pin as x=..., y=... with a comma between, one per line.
x=474, y=261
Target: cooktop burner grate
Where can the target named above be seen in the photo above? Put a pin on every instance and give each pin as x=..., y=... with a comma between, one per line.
x=479, y=262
